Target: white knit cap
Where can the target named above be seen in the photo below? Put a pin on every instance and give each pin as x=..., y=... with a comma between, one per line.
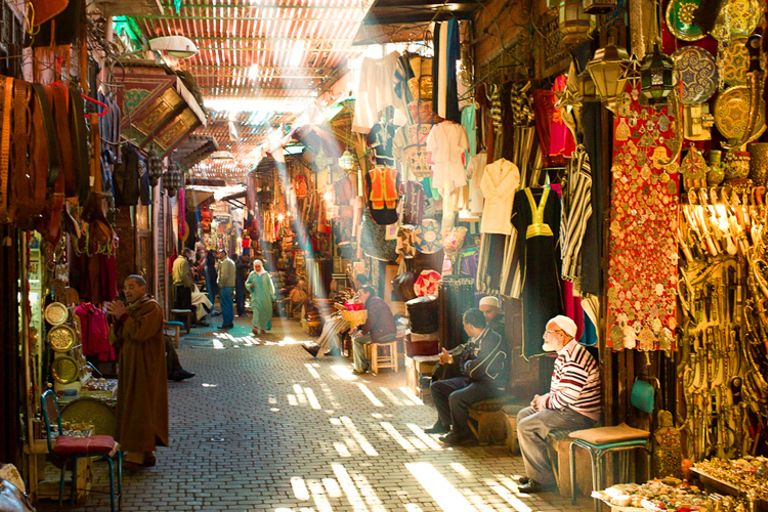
x=566, y=324
x=490, y=301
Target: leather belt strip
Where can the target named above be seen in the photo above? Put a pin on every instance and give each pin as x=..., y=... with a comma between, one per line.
x=61, y=121
x=53, y=153
x=80, y=143
x=5, y=141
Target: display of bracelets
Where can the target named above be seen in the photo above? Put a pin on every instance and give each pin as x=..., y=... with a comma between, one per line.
x=749, y=474
x=99, y=385
x=670, y=494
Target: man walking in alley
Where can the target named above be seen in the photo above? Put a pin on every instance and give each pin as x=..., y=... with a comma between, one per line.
x=226, y=284
x=142, y=396
x=483, y=363
x=183, y=280
x=573, y=402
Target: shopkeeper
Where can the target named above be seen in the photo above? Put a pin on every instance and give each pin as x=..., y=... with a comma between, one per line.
x=142, y=393
x=379, y=327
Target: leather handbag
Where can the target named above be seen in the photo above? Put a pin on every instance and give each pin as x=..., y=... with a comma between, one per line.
x=423, y=313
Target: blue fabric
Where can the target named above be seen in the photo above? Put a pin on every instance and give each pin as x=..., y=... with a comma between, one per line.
x=227, y=306
x=589, y=336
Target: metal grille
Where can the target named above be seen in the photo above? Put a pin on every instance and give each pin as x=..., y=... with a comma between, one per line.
x=11, y=41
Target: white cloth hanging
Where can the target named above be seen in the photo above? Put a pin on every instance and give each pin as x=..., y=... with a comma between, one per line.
x=447, y=142
x=499, y=183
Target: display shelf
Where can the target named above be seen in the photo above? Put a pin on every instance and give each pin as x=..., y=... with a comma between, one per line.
x=724, y=487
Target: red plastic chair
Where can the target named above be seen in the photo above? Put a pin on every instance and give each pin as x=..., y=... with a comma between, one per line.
x=70, y=449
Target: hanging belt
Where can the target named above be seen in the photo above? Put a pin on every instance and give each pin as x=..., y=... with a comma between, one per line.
x=80, y=143
x=5, y=142
x=41, y=93
x=538, y=227
x=66, y=157
x=50, y=224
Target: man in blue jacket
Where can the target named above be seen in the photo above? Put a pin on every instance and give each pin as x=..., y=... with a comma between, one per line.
x=485, y=373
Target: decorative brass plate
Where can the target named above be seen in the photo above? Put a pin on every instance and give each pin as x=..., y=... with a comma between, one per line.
x=65, y=370
x=732, y=114
x=91, y=410
x=56, y=313
x=680, y=20
x=62, y=338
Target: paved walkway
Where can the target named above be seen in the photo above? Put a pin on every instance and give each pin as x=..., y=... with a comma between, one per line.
x=265, y=427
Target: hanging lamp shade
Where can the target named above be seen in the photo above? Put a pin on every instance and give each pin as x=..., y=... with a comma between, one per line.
x=599, y=6
x=609, y=72
x=154, y=166
x=657, y=78
x=347, y=160
x=171, y=177
x=575, y=24
x=587, y=91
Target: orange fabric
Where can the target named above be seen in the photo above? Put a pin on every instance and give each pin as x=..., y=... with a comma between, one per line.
x=383, y=188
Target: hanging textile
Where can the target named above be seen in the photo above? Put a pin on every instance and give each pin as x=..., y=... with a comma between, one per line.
x=536, y=217
x=499, y=182
x=94, y=331
x=381, y=139
x=475, y=171
x=576, y=212
x=376, y=91
x=642, y=270
x=445, y=98
x=446, y=144
x=456, y=295
x=469, y=122
x=413, y=203
x=383, y=185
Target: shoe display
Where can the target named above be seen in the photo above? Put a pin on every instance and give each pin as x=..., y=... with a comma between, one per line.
x=529, y=487
x=311, y=349
x=454, y=439
x=437, y=428
x=180, y=375
x=333, y=352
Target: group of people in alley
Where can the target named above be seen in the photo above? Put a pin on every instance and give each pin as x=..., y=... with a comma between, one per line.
x=476, y=370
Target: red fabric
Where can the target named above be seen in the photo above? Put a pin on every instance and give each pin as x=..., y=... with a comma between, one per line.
x=182, y=217
x=68, y=446
x=95, y=332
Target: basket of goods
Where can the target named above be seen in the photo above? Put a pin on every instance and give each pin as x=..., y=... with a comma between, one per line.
x=354, y=314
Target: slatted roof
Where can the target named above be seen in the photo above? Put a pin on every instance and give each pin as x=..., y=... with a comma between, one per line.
x=259, y=64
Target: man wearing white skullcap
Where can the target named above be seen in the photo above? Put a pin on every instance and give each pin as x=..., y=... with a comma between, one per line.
x=573, y=402
x=494, y=317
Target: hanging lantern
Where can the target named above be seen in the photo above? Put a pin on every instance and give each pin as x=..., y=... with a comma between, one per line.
x=609, y=72
x=656, y=77
x=599, y=6
x=154, y=166
x=347, y=160
x=587, y=92
x=575, y=24
x=170, y=178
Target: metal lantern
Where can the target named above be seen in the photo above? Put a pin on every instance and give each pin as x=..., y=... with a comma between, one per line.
x=170, y=179
x=575, y=24
x=154, y=166
x=347, y=161
x=656, y=77
x=587, y=91
x=609, y=72
x=599, y=6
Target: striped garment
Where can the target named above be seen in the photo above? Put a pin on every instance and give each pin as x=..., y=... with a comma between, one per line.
x=577, y=209
x=575, y=382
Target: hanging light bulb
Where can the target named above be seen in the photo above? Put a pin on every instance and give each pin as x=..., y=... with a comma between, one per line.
x=656, y=77
x=154, y=166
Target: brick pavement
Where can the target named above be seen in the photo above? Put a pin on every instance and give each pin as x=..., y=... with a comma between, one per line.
x=265, y=427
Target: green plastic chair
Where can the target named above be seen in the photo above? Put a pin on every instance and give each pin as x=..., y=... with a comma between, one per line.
x=601, y=441
x=69, y=450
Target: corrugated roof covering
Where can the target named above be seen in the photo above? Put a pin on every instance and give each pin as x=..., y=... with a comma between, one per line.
x=283, y=50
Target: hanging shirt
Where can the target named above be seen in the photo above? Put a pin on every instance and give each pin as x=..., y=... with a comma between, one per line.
x=376, y=91
x=499, y=183
x=576, y=212
x=381, y=140
x=475, y=171
x=447, y=142
x=383, y=185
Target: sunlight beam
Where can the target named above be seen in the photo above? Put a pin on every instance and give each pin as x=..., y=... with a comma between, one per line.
x=445, y=494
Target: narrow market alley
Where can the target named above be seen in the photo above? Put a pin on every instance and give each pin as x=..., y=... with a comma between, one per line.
x=264, y=427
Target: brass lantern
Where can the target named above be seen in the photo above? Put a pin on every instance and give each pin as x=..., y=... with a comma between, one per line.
x=575, y=24
x=656, y=77
x=587, y=90
x=609, y=72
x=599, y=6
x=154, y=166
x=171, y=177
x=347, y=161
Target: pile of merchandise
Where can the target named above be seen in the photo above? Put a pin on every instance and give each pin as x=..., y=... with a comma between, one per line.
x=748, y=475
x=669, y=494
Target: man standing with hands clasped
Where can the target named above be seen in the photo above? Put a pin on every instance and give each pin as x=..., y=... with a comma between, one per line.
x=226, y=283
x=142, y=396
x=573, y=402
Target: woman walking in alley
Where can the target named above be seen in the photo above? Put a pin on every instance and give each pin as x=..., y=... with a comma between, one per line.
x=259, y=284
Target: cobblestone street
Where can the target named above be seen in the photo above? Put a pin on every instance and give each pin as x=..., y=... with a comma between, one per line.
x=265, y=427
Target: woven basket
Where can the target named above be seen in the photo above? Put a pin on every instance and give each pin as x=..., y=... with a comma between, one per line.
x=355, y=318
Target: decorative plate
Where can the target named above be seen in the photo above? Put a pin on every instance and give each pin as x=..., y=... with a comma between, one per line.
x=696, y=68
x=427, y=237
x=65, y=370
x=740, y=16
x=732, y=113
x=61, y=338
x=56, y=313
x=680, y=20
x=93, y=411
x=734, y=62
x=427, y=283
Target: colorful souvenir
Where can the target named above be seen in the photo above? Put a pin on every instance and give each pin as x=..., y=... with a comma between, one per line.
x=732, y=114
x=679, y=16
x=696, y=69
x=427, y=237
x=427, y=283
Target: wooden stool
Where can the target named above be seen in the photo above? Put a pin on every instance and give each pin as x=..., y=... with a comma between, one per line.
x=487, y=421
x=386, y=360
x=186, y=316
x=173, y=329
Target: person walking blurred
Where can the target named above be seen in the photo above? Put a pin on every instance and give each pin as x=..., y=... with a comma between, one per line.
x=262, y=290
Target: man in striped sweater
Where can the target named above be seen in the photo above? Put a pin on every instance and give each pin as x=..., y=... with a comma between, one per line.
x=573, y=402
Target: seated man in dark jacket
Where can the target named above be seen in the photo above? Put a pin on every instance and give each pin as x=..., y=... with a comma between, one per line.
x=485, y=373
x=378, y=328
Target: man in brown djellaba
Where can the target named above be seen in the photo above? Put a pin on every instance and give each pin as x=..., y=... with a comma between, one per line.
x=142, y=392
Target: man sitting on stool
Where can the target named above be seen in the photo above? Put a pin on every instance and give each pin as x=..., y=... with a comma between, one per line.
x=483, y=364
x=573, y=402
x=378, y=328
